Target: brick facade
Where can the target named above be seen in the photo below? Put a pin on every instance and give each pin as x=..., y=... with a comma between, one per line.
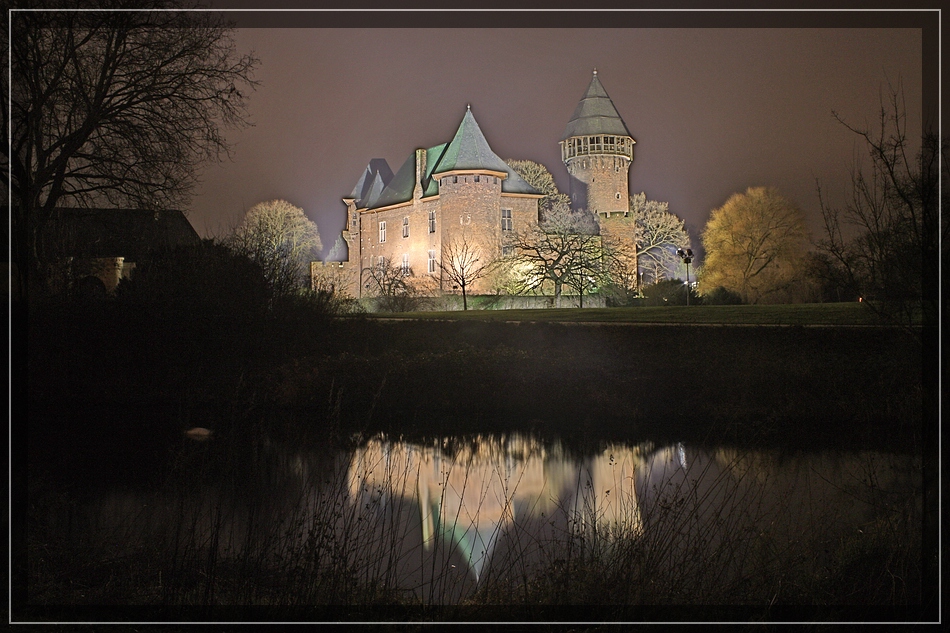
x=452, y=199
x=470, y=194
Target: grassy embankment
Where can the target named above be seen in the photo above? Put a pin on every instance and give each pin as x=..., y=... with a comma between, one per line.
x=817, y=314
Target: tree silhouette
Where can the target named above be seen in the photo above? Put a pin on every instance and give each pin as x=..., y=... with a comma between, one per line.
x=114, y=107
x=462, y=264
x=884, y=241
x=564, y=250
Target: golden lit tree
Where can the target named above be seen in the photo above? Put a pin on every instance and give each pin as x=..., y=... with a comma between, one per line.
x=756, y=246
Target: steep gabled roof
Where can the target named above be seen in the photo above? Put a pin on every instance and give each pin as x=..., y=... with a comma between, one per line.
x=129, y=233
x=402, y=184
x=468, y=150
x=375, y=177
x=375, y=190
x=595, y=114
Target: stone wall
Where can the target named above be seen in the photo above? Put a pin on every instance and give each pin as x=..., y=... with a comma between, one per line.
x=599, y=183
x=619, y=230
x=468, y=208
x=416, y=245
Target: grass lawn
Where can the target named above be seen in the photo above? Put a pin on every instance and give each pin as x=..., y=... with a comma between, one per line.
x=798, y=314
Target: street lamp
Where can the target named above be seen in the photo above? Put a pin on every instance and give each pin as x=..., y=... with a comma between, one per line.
x=687, y=257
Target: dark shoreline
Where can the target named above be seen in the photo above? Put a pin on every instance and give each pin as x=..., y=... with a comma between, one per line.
x=135, y=388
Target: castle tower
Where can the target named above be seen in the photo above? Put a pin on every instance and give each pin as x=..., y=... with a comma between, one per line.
x=597, y=149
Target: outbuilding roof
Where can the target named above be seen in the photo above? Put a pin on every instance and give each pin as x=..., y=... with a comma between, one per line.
x=128, y=233
x=595, y=114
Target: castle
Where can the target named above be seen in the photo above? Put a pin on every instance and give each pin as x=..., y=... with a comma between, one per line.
x=461, y=191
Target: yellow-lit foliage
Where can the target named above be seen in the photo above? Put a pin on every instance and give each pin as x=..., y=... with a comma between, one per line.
x=756, y=244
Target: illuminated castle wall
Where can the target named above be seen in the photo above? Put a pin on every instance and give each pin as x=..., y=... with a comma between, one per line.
x=461, y=190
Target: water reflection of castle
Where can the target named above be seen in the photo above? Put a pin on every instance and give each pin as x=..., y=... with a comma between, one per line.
x=468, y=495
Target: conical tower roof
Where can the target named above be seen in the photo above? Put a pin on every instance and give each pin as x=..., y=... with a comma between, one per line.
x=595, y=114
x=469, y=150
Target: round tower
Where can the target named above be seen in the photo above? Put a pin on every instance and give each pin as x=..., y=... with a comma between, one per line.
x=597, y=150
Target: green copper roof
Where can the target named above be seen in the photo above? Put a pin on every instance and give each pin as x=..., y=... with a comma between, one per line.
x=595, y=114
x=400, y=187
x=468, y=150
x=375, y=177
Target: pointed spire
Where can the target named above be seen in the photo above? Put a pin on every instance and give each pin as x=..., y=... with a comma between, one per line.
x=470, y=150
x=595, y=114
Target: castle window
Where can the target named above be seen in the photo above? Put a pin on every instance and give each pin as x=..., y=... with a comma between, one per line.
x=382, y=232
x=455, y=179
x=476, y=178
x=405, y=226
x=507, y=250
x=618, y=195
x=354, y=219
x=431, y=221
x=506, y=219
x=431, y=262
x=405, y=264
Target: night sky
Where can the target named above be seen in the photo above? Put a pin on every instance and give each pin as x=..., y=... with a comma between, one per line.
x=716, y=104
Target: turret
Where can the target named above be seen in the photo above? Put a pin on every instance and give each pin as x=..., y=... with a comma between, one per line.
x=597, y=149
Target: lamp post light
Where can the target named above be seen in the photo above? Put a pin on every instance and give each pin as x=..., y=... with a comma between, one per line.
x=687, y=257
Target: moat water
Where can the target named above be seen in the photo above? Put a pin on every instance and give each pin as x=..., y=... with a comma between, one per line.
x=435, y=521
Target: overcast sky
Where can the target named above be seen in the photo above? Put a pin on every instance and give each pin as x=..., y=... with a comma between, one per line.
x=715, y=104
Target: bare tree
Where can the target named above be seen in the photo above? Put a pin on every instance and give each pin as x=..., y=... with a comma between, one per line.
x=283, y=241
x=463, y=263
x=565, y=250
x=884, y=242
x=395, y=287
x=756, y=246
x=659, y=233
x=115, y=106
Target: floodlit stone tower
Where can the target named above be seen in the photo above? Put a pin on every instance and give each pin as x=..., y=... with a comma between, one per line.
x=597, y=149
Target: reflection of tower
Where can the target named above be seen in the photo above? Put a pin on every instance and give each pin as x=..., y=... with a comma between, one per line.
x=597, y=149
